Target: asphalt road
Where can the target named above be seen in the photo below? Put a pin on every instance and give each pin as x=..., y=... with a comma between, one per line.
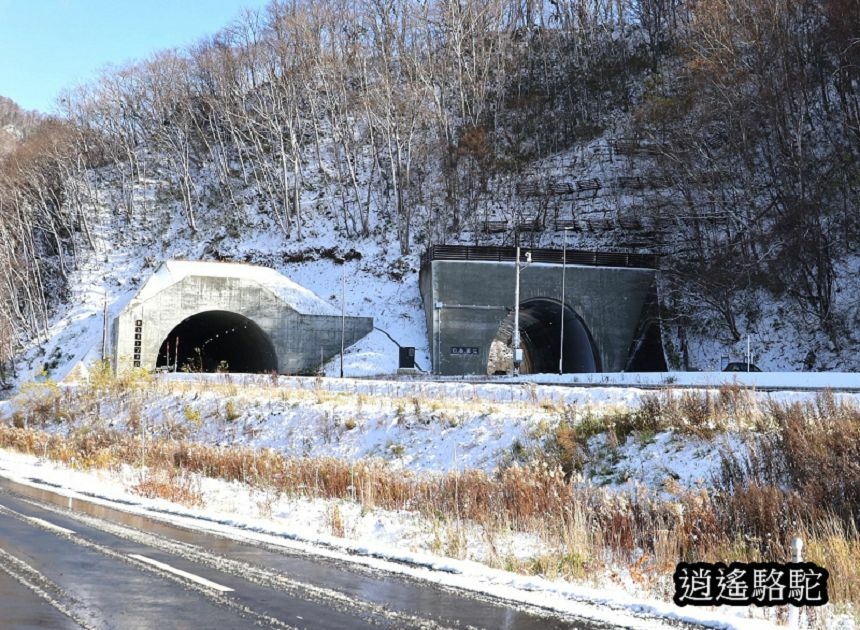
x=68, y=563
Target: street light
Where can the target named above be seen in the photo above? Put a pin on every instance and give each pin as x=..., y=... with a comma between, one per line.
x=437, y=364
x=518, y=353
x=342, y=313
x=563, y=269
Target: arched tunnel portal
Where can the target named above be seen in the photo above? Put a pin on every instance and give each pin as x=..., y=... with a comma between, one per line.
x=541, y=338
x=218, y=341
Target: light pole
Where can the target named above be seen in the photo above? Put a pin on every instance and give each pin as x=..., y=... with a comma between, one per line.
x=437, y=350
x=515, y=342
x=342, y=314
x=561, y=336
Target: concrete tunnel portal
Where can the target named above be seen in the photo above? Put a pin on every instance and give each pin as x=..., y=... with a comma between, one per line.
x=541, y=339
x=609, y=315
x=215, y=341
x=229, y=317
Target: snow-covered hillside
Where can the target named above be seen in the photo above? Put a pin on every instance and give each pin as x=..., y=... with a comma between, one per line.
x=303, y=137
x=420, y=431
x=376, y=280
x=334, y=143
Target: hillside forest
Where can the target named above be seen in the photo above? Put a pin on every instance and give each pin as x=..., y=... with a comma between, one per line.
x=722, y=135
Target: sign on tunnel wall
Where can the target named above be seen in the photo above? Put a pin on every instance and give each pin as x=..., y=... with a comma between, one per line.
x=138, y=339
x=465, y=350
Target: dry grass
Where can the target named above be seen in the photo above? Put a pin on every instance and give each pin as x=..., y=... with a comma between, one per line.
x=800, y=476
x=587, y=530
x=171, y=484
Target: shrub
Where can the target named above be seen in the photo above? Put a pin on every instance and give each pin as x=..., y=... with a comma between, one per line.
x=192, y=415
x=231, y=413
x=171, y=484
x=38, y=402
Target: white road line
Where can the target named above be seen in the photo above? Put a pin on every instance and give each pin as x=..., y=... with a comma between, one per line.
x=36, y=520
x=190, y=576
x=47, y=525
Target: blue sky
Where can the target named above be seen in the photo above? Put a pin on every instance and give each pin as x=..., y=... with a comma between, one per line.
x=49, y=45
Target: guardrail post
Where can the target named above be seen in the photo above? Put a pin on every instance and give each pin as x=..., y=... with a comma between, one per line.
x=796, y=556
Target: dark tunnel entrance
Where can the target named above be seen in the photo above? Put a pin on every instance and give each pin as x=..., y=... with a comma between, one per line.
x=540, y=332
x=218, y=341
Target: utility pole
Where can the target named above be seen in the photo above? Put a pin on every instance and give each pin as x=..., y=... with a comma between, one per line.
x=437, y=345
x=561, y=336
x=518, y=352
x=104, y=327
x=342, y=313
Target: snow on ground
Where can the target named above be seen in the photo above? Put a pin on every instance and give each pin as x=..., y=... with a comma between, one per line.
x=412, y=424
x=663, y=461
x=421, y=426
x=296, y=297
x=782, y=380
x=385, y=540
x=415, y=425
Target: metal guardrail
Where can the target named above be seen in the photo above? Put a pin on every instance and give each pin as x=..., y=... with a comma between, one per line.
x=555, y=256
x=532, y=380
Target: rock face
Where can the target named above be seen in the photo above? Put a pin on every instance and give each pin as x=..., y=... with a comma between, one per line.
x=206, y=316
x=14, y=122
x=10, y=136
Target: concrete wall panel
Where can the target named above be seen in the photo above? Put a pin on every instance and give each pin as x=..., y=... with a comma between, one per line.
x=476, y=296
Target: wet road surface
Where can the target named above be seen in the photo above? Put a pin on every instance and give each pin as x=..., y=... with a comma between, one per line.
x=68, y=563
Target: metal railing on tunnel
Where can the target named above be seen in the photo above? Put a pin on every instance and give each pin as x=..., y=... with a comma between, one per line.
x=538, y=255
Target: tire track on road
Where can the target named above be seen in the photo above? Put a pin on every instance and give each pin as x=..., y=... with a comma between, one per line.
x=369, y=612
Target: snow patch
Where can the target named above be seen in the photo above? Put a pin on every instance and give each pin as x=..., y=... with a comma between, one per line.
x=295, y=296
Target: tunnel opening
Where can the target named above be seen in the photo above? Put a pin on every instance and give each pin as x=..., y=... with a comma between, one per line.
x=646, y=353
x=217, y=341
x=541, y=337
